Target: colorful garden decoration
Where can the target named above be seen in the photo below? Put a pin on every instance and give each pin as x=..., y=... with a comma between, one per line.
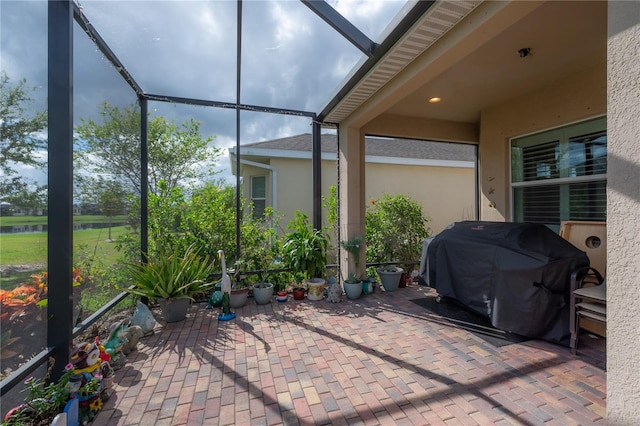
x=79, y=393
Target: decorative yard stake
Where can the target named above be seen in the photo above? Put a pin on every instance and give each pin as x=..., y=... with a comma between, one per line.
x=226, y=313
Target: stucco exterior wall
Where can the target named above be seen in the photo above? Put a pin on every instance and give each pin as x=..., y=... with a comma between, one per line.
x=294, y=187
x=574, y=98
x=623, y=207
x=447, y=194
x=399, y=126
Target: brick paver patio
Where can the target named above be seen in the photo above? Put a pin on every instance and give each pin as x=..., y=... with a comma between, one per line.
x=381, y=359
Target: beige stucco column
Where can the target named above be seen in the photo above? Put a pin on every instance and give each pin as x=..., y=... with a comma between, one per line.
x=351, y=193
x=623, y=214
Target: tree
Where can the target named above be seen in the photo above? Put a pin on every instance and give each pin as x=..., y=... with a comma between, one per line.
x=177, y=154
x=111, y=199
x=20, y=144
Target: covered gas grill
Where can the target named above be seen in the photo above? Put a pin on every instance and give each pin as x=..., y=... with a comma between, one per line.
x=516, y=274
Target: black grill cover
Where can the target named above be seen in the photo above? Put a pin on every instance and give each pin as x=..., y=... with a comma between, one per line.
x=516, y=274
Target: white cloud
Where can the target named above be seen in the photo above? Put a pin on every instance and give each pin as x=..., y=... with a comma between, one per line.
x=291, y=58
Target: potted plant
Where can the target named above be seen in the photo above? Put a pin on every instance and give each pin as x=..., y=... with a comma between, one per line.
x=305, y=251
x=172, y=279
x=352, y=283
x=299, y=289
x=262, y=260
x=280, y=281
x=390, y=277
x=239, y=295
x=353, y=286
x=239, y=288
x=42, y=404
x=260, y=250
x=396, y=229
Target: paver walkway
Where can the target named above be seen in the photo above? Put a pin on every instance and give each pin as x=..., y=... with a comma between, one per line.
x=380, y=359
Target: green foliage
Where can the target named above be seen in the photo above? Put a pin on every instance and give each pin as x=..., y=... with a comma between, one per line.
x=305, y=248
x=178, y=154
x=166, y=213
x=20, y=144
x=209, y=220
x=395, y=229
x=260, y=245
x=353, y=246
x=101, y=279
x=281, y=280
x=352, y=278
x=43, y=401
x=330, y=202
x=171, y=274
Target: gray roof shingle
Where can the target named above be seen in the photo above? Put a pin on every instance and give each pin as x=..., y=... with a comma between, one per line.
x=377, y=146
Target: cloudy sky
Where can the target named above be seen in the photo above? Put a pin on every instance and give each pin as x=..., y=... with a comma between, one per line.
x=290, y=58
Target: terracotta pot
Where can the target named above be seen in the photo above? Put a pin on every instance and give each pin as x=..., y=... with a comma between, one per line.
x=405, y=280
x=298, y=294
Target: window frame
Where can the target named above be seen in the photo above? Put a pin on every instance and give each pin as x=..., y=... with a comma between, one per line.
x=564, y=135
x=254, y=198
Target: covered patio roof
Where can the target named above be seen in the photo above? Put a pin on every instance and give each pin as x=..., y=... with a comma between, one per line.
x=474, y=65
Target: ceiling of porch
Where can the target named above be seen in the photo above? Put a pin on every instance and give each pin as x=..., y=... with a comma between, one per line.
x=477, y=64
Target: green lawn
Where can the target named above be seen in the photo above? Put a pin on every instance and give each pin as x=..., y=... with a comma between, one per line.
x=31, y=248
x=42, y=220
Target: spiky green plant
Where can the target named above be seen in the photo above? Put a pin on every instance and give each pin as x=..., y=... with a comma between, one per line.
x=172, y=275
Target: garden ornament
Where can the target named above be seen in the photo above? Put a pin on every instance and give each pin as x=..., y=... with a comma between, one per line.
x=86, y=358
x=133, y=335
x=215, y=299
x=144, y=318
x=226, y=313
x=334, y=292
x=117, y=337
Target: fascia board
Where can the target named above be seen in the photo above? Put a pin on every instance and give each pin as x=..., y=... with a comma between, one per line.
x=303, y=155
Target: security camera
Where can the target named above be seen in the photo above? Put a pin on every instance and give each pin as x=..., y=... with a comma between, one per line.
x=524, y=52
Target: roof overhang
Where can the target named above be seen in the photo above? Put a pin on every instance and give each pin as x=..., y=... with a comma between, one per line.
x=467, y=53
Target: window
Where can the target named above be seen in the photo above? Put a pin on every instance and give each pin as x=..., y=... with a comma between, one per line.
x=560, y=174
x=258, y=195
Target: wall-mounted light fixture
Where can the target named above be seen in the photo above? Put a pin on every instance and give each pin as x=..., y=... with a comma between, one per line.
x=434, y=100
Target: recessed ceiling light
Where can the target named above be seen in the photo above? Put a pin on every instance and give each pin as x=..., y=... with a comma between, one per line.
x=434, y=100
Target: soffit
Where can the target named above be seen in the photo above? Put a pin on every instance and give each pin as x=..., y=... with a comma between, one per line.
x=439, y=19
x=564, y=37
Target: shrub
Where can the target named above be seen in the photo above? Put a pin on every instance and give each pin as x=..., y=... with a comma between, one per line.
x=395, y=229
